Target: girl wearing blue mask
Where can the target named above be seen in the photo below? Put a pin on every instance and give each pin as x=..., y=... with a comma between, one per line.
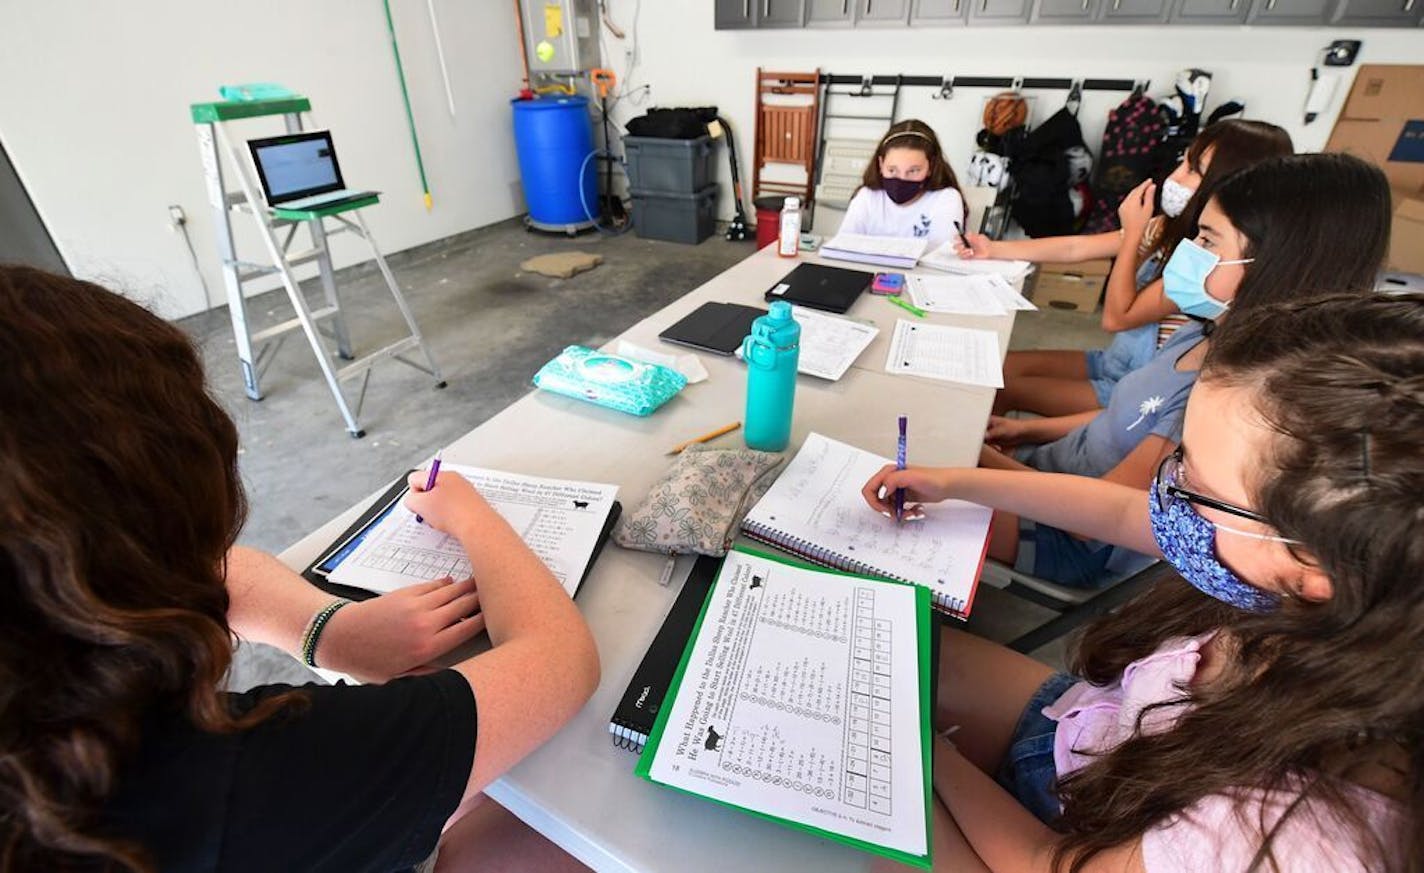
x=1262, y=708
x=1068, y=381
x=1269, y=233
x=909, y=189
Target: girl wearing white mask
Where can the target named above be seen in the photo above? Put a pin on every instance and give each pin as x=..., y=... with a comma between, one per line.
x=1063, y=382
x=1266, y=234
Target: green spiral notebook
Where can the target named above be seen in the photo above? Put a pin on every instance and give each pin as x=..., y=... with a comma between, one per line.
x=803, y=697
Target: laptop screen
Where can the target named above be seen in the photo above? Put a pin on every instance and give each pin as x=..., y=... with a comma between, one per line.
x=295, y=166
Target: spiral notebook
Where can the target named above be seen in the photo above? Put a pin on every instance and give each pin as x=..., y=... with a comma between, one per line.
x=815, y=510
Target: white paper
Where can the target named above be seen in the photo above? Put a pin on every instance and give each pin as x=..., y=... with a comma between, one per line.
x=883, y=246
x=688, y=365
x=946, y=258
x=1009, y=296
x=817, y=500
x=829, y=344
x=959, y=295
x=560, y=520
x=801, y=701
x=954, y=354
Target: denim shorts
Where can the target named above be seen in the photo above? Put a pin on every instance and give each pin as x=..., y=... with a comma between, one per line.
x=1063, y=558
x=1029, y=772
x=1128, y=350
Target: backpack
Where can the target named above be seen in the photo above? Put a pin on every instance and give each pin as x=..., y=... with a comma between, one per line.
x=1045, y=169
x=1135, y=130
x=673, y=123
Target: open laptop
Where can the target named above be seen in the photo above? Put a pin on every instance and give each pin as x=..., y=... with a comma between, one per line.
x=299, y=171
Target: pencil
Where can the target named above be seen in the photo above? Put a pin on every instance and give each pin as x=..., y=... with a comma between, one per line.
x=908, y=307
x=712, y=435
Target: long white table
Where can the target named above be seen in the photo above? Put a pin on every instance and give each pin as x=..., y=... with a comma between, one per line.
x=579, y=790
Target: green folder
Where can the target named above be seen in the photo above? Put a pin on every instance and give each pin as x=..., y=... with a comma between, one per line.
x=923, y=630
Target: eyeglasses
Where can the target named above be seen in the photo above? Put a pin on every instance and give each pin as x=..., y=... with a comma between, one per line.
x=1170, y=473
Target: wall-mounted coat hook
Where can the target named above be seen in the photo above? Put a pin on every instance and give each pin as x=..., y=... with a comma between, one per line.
x=1075, y=97
x=946, y=90
x=865, y=89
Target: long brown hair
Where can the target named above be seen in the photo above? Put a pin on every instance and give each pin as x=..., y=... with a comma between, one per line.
x=913, y=134
x=1314, y=691
x=119, y=498
x=1234, y=145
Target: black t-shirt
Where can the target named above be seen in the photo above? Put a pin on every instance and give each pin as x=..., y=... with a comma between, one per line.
x=362, y=779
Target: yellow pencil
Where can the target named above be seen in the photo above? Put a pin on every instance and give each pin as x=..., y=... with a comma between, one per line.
x=726, y=428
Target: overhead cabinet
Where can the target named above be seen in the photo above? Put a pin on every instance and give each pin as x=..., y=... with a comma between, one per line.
x=734, y=14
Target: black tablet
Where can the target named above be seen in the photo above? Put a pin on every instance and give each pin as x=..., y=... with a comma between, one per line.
x=714, y=327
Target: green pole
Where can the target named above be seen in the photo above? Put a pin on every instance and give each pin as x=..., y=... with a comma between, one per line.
x=405, y=95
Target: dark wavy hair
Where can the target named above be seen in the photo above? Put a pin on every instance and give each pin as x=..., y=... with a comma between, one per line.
x=1235, y=144
x=913, y=134
x=1316, y=690
x=1316, y=223
x=119, y=499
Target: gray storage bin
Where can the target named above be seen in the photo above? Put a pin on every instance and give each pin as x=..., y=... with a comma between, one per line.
x=683, y=166
x=684, y=218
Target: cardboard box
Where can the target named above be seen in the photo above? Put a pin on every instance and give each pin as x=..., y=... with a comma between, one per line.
x=1383, y=122
x=1406, y=233
x=1071, y=286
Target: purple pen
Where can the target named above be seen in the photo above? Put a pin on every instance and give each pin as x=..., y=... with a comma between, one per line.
x=900, y=465
x=430, y=480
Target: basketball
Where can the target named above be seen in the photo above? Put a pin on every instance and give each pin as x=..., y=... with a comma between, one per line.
x=1004, y=112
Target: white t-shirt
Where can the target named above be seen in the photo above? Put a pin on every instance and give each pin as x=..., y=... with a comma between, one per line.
x=932, y=215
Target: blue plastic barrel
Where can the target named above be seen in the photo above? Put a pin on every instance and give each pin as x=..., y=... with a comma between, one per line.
x=554, y=137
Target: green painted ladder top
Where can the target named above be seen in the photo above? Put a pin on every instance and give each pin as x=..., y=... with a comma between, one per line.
x=232, y=110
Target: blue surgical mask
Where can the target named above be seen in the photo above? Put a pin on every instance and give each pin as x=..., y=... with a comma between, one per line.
x=1188, y=542
x=1184, y=279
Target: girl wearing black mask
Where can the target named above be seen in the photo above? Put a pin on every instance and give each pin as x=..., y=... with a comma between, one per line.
x=909, y=189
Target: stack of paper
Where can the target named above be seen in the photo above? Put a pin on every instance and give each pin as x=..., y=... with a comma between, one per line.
x=884, y=251
x=945, y=258
x=966, y=294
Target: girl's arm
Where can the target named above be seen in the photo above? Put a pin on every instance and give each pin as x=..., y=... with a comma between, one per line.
x=1139, y=468
x=373, y=640
x=1034, y=431
x=1095, y=508
x=1004, y=835
x=1067, y=249
x=1124, y=307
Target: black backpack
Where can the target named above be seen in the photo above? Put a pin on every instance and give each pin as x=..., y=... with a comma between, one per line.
x=674, y=123
x=1041, y=176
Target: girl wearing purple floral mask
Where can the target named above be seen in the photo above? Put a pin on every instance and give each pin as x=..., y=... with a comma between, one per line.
x=1262, y=708
x=908, y=190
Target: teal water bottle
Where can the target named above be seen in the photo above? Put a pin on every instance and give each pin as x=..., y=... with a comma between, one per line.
x=771, y=353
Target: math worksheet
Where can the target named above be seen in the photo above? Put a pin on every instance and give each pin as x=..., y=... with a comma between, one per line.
x=954, y=354
x=829, y=343
x=801, y=700
x=560, y=520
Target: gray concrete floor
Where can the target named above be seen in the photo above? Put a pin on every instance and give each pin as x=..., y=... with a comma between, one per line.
x=490, y=326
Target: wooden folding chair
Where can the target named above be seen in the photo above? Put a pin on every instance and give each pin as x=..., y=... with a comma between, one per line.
x=786, y=131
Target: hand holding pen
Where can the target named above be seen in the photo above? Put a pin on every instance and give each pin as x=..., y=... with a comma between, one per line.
x=430, y=480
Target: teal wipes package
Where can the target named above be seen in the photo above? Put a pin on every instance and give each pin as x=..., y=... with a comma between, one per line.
x=619, y=383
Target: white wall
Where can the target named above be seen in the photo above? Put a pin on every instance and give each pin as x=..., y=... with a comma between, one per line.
x=94, y=113
x=688, y=62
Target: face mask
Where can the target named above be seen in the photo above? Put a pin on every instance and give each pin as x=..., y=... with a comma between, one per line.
x=1174, y=197
x=1188, y=542
x=902, y=191
x=1184, y=279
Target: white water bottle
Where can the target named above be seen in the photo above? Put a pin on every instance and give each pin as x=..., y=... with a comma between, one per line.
x=789, y=243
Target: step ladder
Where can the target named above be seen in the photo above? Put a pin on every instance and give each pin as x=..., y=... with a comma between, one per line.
x=324, y=322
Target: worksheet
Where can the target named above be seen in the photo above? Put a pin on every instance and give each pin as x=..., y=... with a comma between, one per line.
x=947, y=259
x=801, y=700
x=560, y=520
x=954, y=354
x=959, y=295
x=829, y=343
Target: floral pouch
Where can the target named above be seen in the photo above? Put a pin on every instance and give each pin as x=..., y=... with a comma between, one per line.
x=698, y=504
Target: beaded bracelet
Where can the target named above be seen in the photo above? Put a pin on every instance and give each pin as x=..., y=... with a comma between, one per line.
x=312, y=634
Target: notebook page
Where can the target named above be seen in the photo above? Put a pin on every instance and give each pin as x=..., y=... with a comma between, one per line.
x=829, y=345
x=954, y=354
x=801, y=700
x=560, y=520
x=817, y=499
x=945, y=258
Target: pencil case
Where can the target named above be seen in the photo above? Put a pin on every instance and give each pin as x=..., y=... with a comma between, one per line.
x=635, y=387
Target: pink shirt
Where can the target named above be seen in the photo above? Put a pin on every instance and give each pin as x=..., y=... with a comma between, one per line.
x=1221, y=831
